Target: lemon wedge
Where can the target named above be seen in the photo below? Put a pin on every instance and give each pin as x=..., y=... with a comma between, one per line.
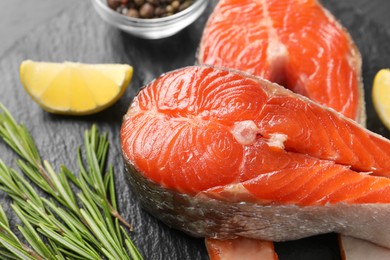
x=381, y=96
x=74, y=88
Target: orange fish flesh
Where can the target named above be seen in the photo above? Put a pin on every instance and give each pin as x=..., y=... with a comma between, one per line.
x=296, y=43
x=240, y=248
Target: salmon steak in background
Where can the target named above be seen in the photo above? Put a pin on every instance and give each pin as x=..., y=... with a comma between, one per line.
x=295, y=43
x=254, y=159
x=242, y=248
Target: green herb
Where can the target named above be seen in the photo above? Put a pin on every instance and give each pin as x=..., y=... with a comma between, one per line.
x=63, y=224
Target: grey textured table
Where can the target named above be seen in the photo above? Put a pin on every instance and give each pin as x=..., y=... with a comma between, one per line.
x=18, y=17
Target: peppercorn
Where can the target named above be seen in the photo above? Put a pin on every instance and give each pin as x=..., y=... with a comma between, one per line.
x=169, y=9
x=146, y=11
x=185, y=5
x=148, y=8
x=153, y=2
x=139, y=2
x=114, y=4
x=132, y=13
x=175, y=5
x=159, y=11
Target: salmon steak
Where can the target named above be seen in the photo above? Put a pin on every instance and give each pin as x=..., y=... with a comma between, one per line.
x=295, y=43
x=223, y=154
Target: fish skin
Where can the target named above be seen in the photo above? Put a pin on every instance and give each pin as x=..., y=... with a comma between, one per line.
x=298, y=44
x=182, y=157
x=207, y=217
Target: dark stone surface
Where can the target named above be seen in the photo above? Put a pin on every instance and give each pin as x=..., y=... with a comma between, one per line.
x=80, y=35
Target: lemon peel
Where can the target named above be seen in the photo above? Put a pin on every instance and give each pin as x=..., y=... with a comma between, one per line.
x=381, y=96
x=74, y=88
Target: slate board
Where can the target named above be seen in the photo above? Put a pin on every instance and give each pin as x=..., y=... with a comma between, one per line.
x=80, y=35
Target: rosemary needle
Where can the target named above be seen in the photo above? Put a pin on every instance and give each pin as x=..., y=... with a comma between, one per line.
x=69, y=223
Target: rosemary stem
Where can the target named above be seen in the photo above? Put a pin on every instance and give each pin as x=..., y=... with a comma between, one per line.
x=61, y=225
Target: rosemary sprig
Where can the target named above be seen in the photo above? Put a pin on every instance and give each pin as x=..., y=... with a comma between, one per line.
x=74, y=225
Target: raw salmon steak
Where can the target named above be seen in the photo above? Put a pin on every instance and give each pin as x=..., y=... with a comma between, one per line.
x=223, y=154
x=295, y=43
